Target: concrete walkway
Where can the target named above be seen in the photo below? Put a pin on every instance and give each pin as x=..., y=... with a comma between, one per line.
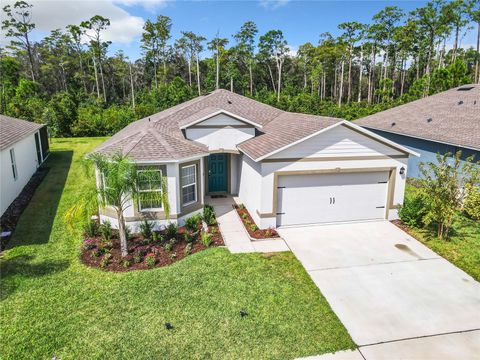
x=397, y=298
x=234, y=234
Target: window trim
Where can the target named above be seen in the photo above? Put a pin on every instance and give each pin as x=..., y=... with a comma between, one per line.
x=194, y=184
x=13, y=163
x=140, y=209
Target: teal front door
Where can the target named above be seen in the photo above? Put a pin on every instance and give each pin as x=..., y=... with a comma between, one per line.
x=217, y=173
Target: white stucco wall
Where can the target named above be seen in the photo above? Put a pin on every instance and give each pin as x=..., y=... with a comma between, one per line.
x=235, y=160
x=173, y=183
x=27, y=164
x=250, y=186
x=220, y=132
x=339, y=141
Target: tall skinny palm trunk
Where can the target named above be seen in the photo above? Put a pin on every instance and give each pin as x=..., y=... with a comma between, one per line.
x=340, y=95
x=360, y=69
x=121, y=232
x=198, y=77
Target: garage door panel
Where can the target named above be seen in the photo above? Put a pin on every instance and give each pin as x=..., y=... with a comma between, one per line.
x=310, y=199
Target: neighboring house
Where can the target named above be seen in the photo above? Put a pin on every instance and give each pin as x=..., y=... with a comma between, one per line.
x=441, y=123
x=23, y=147
x=287, y=168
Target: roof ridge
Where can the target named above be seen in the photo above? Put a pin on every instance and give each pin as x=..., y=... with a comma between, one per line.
x=160, y=137
x=134, y=143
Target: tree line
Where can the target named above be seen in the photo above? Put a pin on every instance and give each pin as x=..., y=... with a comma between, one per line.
x=69, y=81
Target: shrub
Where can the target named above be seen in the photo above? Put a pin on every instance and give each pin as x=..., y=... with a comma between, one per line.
x=146, y=229
x=89, y=244
x=244, y=216
x=188, y=249
x=213, y=230
x=156, y=237
x=173, y=256
x=96, y=253
x=206, y=239
x=171, y=230
x=91, y=228
x=209, y=215
x=269, y=232
x=105, y=260
x=105, y=230
x=193, y=222
x=241, y=206
x=126, y=263
x=128, y=232
x=253, y=227
x=107, y=246
x=190, y=236
x=137, y=258
x=472, y=203
x=413, y=210
x=150, y=260
x=168, y=247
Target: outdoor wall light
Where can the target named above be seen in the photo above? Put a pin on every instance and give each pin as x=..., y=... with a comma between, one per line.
x=402, y=170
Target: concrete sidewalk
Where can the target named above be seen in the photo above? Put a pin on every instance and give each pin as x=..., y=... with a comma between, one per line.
x=234, y=234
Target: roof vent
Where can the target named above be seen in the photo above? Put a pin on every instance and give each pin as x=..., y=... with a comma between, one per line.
x=393, y=124
x=229, y=101
x=474, y=102
x=460, y=102
x=465, y=88
x=148, y=119
x=429, y=120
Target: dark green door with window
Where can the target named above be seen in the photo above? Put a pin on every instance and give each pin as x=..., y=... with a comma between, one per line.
x=217, y=173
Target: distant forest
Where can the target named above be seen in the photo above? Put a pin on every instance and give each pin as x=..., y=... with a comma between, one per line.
x=69, y=81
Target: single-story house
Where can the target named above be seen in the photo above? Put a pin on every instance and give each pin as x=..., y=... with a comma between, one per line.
x=441, y=123
x=23, y=148
x=286, y=168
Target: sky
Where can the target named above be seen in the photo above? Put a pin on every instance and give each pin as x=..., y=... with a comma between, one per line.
x=300, y=21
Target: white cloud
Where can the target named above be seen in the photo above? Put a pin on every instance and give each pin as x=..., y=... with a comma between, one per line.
x=273, y=4
x=150, y=5
x=56, y=14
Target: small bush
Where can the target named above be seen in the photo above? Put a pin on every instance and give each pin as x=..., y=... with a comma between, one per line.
x=107, y=246
x=206, y=239
x=188, y=249
x=190, y=236
x=193, y=222
x=146, y=229
x=244, y=216
x=126, y=263
x=168, y=247
x=105, y=260
x=156, y=237
x=253, y=227
x=96, y=253
x=128, y=232
x=213, y=230
x=472, y=203
x=91, y=228
x=105, y=230
x=137, y=258
x=241, y=206
x=89, y=244
x=413, y=210
x=269, y=232
x=173, y=256
x=209, y=215
x=171, y=230
x=150, y=260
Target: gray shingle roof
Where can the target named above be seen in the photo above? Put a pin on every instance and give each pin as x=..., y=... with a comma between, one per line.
x=454, y=118
x=159, y=137
x=13, y=130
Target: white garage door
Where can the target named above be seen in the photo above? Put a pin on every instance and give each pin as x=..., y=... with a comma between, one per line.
x=322, y=198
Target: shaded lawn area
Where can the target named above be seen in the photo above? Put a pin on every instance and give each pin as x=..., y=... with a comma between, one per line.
x=53, y=305
x=463, y=245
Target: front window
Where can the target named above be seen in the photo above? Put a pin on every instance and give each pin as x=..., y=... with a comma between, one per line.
x=149, y=187
x=14, y=164
x=189, y=184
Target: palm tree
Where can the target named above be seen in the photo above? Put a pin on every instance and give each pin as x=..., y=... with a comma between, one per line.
x=119, y=185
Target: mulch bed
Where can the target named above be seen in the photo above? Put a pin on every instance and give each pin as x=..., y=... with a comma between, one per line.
x=94, y=250
x=10, y=217
x=399, y=223
x=252, y=228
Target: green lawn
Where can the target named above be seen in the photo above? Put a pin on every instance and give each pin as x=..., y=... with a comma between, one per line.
x=53, y=305
x=463, y=246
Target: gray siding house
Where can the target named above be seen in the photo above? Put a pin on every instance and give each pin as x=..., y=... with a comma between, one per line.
x=441, y=123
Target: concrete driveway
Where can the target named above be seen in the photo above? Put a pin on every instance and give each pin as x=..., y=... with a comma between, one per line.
x=387, y=288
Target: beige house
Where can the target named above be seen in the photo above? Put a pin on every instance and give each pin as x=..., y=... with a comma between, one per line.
x=287, y=168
